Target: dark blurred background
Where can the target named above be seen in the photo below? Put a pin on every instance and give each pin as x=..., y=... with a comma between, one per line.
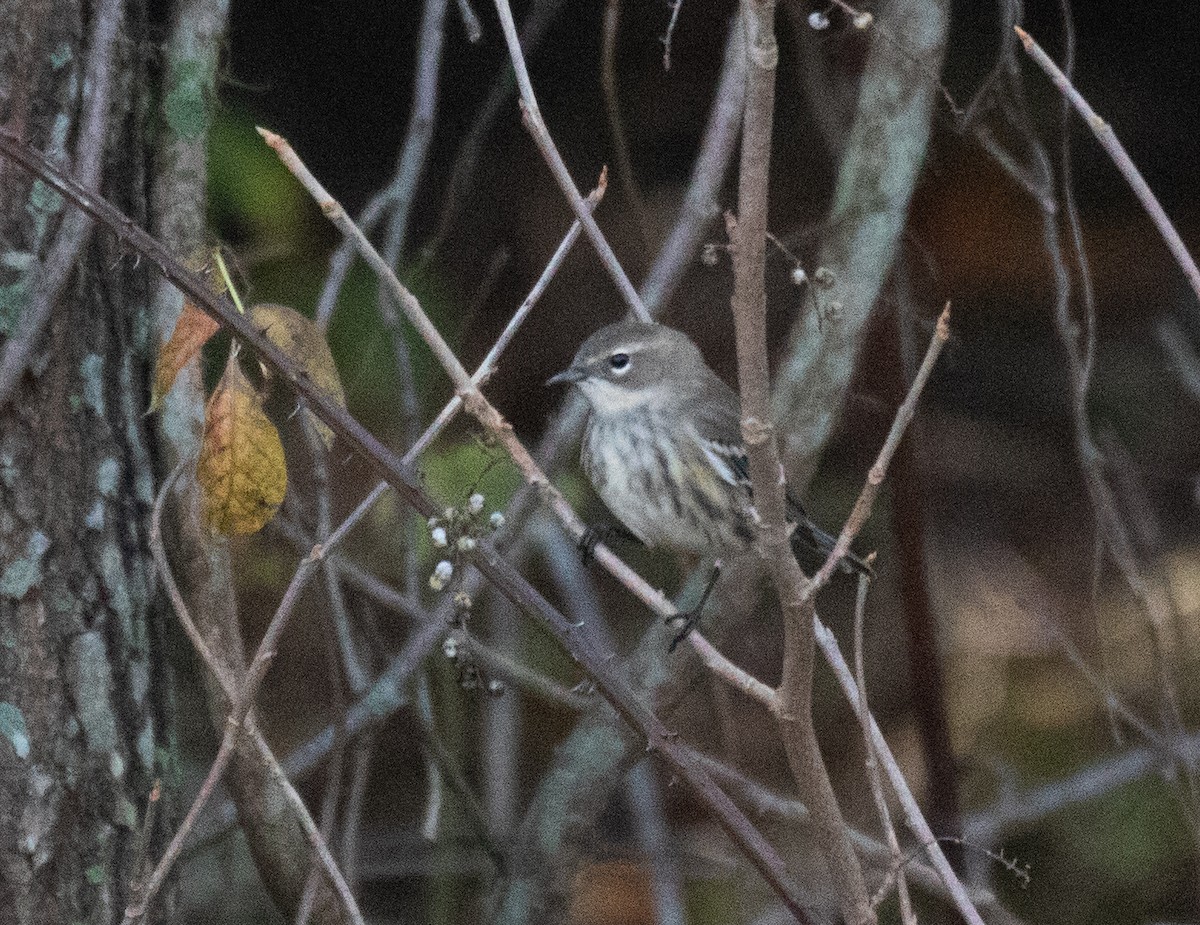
x=1000, y=492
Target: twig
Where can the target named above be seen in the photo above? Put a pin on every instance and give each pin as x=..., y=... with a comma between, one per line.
x=912, y=812
x=669, y=35
x=866, y=499
x=1067, y=183
x=333, y=786
x=1013, y=811
x=488, y=365
x=345, y=659
x=968, y=118
x=145, y=833
x=356, y=794
x=660, y=740
x=190, y=56
x=872, y=763
x=521, y=676
x=1184, y=361
x=343, y=256
x=1112, y=702
x=419, y=134
x=336, y=214
x=481, y=374
x=708, y=175
x=242, y=701
x=1015, y=170
x=396, y=198
x=435, y=787
x=451, y=773
x=766, y=802
x=541, y=135
x=492, y=660
x=470, y=21
x=616, y=123
x=76, y=229
x=654, y=842
x=1120, y=157
x=540, y=16
x=929, y=699
x=642, y=788
x=225, y=679
x=374, y=587
x=467, y=388
x=338, y=615
x=415, y=152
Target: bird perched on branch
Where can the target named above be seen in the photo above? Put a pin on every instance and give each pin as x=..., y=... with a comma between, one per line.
x=663, y=448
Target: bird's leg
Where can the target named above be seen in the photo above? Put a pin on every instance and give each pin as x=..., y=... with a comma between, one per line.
x=596, y=534
x=691, y=618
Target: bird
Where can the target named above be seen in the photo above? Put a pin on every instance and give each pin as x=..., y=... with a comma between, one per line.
x=663, y=449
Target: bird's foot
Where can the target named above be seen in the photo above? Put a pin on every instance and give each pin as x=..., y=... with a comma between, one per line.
x=596, y=534
x=688, y=620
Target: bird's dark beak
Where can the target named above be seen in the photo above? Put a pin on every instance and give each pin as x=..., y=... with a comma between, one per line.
x=568, y=376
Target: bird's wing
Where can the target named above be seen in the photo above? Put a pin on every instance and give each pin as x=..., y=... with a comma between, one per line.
x=719, y=433
x=720, y=438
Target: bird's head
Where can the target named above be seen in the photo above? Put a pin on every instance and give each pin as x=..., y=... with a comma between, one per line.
x=634, y=364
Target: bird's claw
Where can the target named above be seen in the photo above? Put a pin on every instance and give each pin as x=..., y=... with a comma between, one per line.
x=689, y=620
x=592, y=537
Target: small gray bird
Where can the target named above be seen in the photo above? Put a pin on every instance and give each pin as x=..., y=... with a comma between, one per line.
x=663, y=445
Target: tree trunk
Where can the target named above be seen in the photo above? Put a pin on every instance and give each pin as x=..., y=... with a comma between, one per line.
x=84, y=704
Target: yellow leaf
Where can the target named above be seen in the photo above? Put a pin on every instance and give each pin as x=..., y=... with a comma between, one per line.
x=242, y=472
x=192, y=331
x=301, y=339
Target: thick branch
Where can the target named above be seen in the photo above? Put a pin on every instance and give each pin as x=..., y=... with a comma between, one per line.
x=749, y=236
x=879, y=170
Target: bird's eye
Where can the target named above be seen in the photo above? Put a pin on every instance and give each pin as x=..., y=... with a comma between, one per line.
x=619, y=362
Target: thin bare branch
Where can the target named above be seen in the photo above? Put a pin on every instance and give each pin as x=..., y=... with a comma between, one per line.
x=616, y=122
x=538, y=19
x=1114, y=534
x=336, y=214
x=872, y=766
x=1120, y=157
x=708, y=175
x=145, y=896
x=532, y=116
x=1013, y=811
x=1185, y=363
x=766, y=802
x=866, y=499
x=470, y=21
x=419, y=133
x=242, y=701
x=912, y=812
x=669, y=35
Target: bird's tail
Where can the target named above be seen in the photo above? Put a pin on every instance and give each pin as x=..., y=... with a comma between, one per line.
x=810, y=542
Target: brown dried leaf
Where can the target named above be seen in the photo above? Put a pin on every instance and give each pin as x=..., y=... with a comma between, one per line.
x=305, y=343
x=242, y=472
x=192, y=331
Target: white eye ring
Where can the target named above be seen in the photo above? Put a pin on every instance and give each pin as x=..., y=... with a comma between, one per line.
x=619, y=362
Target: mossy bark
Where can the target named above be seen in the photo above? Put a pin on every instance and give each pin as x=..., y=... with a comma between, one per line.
x=84, y=697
